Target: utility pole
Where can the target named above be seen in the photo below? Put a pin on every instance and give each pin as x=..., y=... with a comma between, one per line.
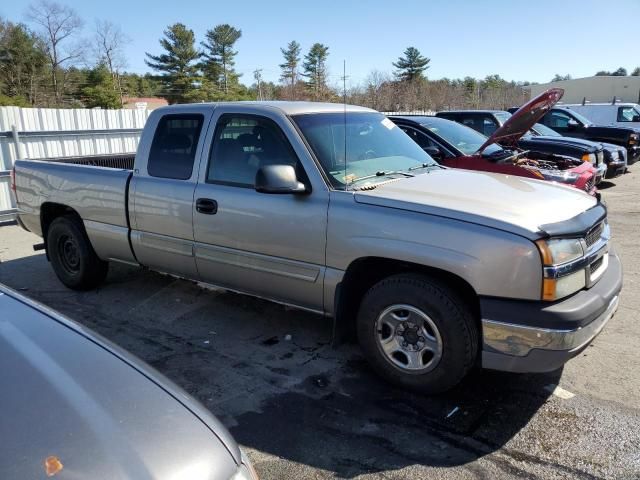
x=257, y=74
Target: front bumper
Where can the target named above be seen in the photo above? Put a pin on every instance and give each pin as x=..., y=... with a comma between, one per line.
x=633, y=154
x=547, y=335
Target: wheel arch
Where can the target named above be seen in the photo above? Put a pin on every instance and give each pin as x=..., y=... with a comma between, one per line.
x=365, y=272
x=49, y=211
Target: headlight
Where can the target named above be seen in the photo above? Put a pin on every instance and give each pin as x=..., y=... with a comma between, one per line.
x=589, y=157
x=633, y=139
x=557, y=288
x=557, y=252
x=560, y=250
x=559, y=176
x=245, y=470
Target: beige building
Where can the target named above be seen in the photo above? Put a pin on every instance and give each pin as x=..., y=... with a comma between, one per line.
x=595, y=89
x=143, y=103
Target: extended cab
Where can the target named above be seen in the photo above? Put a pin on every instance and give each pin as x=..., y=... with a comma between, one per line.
x=333, y=209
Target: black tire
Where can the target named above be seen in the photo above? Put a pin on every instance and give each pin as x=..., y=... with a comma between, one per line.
x=456, y=327
x=73, y=259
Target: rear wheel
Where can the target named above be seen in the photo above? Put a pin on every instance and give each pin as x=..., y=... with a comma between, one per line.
x=417, y=333
x=73, y=259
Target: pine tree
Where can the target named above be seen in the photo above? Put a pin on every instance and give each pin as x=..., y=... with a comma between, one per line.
x=315, y=69
x=100, y=90
x=412, y=65
x=219, y=56
x=22, y=63
x=636, y=72
x=178, y=65
x=289, y=75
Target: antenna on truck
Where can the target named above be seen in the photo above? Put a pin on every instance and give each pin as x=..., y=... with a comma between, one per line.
x=344, y=103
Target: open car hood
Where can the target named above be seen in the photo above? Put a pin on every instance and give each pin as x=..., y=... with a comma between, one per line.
x=524, y=118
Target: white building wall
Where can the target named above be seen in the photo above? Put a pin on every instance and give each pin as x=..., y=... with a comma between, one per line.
x=52, y=132
x=595, y=89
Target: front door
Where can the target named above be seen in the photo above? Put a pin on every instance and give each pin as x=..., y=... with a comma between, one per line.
x=270, y=245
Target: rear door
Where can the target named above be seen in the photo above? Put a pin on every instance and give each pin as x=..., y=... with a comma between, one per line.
x=161, y=192
x=268, y=245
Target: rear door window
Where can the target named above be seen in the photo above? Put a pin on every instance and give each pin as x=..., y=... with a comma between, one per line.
x=174, y=146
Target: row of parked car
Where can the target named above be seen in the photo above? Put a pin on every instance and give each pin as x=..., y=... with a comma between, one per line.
x=538, y=140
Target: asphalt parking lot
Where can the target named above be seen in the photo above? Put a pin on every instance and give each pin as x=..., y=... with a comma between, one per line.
x=304, y=409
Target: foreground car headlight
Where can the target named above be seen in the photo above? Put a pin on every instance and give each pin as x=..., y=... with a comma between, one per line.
x=245, y=470
x=558, y=176
x=589, y=157
x=556, y=253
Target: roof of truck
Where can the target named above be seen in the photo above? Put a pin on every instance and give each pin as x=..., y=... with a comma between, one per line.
x=289, y=108
x=598, y=104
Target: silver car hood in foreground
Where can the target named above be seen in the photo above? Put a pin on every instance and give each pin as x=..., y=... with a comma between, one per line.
x=68, y=393
x=511, y=203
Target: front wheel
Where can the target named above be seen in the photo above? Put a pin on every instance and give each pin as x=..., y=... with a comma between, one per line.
x=73, y=259
x=417, y=333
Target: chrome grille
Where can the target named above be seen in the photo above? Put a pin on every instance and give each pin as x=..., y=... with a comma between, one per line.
x=594, y=234
x=589, y=185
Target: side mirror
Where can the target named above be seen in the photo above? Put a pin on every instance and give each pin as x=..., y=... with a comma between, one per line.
x=434, y=152
x=572, y=125
x=279, y=179
x=636, y=118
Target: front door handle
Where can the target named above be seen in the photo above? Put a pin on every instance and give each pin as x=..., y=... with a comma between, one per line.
x=207, y=206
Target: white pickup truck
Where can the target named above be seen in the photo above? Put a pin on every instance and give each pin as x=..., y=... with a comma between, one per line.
x=334, y=209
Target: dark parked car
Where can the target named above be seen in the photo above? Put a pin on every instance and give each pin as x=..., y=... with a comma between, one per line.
x=76, y=406
x=488, y=121
x=572, y=124
x=615, y=156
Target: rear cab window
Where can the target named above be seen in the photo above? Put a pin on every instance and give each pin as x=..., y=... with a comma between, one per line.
x=174, y=146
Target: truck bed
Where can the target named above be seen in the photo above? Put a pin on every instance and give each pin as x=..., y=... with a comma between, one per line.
x=95, y=187
x=120, y=161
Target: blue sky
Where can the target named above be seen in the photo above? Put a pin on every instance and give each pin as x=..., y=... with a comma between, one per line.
x=518, y=40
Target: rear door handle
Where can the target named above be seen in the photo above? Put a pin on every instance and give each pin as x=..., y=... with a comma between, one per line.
x=207, y=206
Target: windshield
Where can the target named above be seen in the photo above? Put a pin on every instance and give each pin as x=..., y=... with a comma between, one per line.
x=375, y=146
x=541, y=129
x=464, y=138
x=502, y=116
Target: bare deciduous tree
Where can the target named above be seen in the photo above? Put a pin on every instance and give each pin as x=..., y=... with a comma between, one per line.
x=58, y=26
x=108, y=45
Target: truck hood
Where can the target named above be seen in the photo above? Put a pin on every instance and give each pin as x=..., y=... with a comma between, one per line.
x=71, y=395
x=569, y=141
x=524, y=118
x=516, y=204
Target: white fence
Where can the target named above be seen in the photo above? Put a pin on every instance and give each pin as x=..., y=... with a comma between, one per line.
x=47, y=132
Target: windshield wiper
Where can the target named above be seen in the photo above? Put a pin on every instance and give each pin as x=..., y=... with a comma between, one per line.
x=425, y=165
x=382, y=173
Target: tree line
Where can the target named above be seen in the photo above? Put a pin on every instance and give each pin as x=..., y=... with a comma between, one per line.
x=48, y=61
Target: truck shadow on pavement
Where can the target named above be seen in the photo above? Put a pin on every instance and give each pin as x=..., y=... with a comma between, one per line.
x=273, y=378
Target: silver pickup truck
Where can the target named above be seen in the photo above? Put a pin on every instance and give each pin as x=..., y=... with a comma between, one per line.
x=334, y=209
